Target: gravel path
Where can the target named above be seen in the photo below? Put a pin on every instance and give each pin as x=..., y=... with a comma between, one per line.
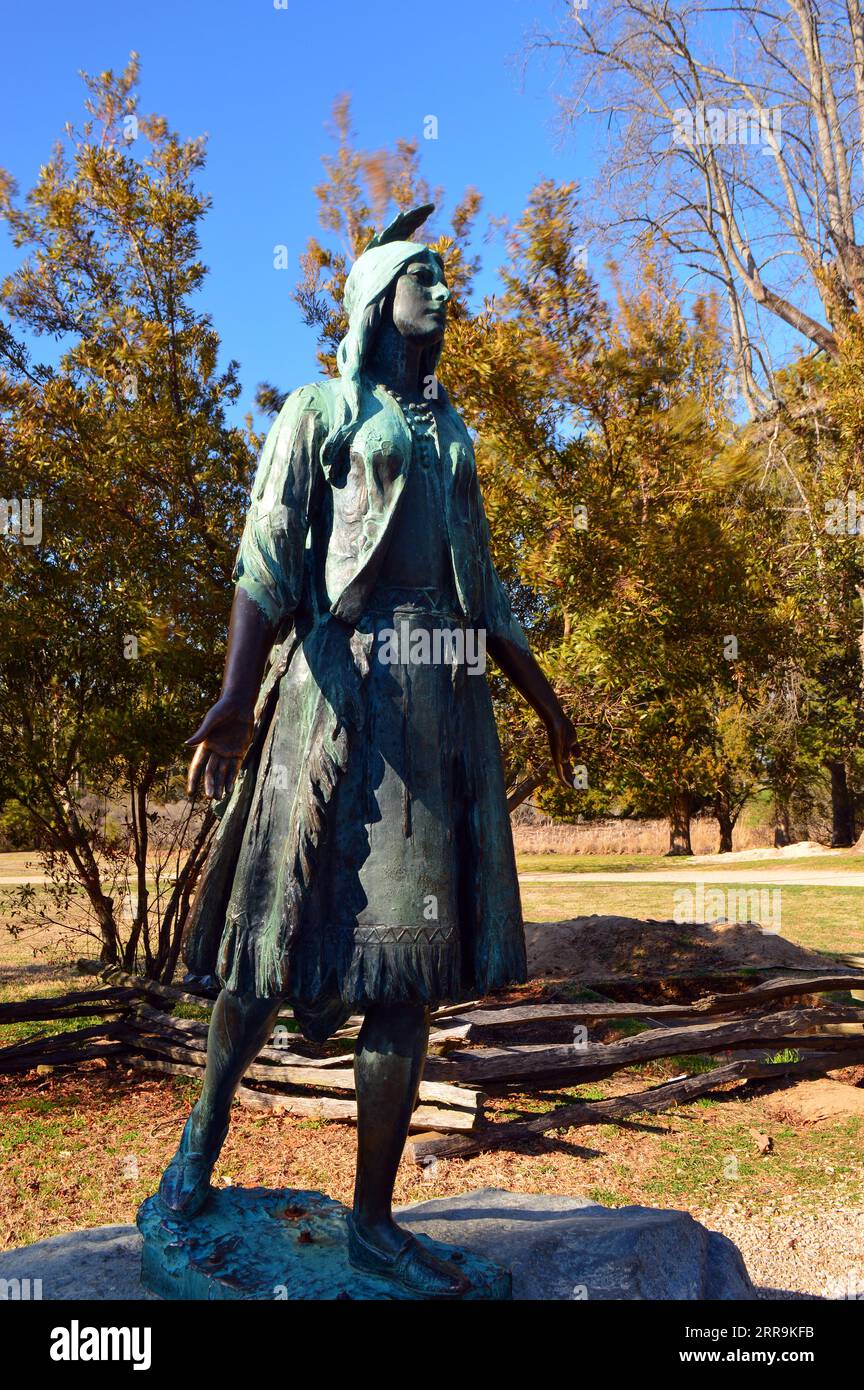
x=779, y=876
x=795, y=1254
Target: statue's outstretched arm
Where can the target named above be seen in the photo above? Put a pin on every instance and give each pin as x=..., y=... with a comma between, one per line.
x=226, y=729
x=522, y=670
x=508, y=645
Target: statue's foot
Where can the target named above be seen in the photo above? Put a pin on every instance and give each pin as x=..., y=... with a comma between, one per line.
x=410, y=1265
x=185, y=1184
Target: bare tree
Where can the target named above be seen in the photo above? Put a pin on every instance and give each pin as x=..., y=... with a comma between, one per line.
x=735, y=139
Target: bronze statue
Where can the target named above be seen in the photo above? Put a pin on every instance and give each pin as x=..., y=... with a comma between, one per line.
x=364, y=861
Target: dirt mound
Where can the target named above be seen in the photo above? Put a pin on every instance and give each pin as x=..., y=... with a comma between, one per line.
x=815, y=1102
x=802, y=849
x=586, y=949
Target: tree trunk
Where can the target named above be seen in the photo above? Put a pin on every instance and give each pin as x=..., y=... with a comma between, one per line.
x=70, y=836
x=103, y=907
x=524, y=789
x=842, y=808
x=679, y=824
x=138, y=796
x=725, y=820
x=782, y=823
x=173, y=924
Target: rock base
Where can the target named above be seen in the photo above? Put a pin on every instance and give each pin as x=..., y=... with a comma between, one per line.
x=258, y=1244
x=571, y=1248
x=557, y=1248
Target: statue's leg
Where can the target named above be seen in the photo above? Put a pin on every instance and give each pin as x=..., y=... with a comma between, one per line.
x=239, y=1027
x=388, y=1065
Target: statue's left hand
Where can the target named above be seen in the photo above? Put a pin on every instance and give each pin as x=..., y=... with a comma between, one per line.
x=563, y=745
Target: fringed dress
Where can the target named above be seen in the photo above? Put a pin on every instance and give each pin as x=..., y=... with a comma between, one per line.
x=411, y=892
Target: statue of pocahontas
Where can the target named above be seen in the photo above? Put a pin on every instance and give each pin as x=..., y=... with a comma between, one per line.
x=363, y=862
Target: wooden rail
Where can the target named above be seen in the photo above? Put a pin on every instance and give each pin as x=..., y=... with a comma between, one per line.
x=795, y=1030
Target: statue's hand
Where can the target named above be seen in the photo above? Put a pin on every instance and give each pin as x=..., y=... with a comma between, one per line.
x=563, y=745
x=222, y=740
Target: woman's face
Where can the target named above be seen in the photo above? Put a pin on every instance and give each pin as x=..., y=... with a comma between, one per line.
x=420, y=300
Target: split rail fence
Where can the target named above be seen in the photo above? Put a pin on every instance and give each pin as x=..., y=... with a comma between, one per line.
x=784, y=1026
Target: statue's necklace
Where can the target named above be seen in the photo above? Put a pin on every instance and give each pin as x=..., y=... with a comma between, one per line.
x=421, y=422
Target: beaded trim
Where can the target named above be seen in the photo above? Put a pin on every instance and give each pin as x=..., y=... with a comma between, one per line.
x=420, y=419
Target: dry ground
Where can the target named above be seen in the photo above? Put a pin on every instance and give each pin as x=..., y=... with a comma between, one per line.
x=84, y=1148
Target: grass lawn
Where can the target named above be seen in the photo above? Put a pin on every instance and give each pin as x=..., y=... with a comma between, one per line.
x=823, y=919
x=590, y=863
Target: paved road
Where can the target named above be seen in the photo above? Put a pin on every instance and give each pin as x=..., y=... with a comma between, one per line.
x=779, y=876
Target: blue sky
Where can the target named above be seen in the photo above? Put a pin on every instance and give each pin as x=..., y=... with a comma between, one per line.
x=261, y=82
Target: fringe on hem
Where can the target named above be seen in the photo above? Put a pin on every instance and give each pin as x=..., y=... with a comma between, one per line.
x=364, y=973
x=346, y=976
x=359, y=975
